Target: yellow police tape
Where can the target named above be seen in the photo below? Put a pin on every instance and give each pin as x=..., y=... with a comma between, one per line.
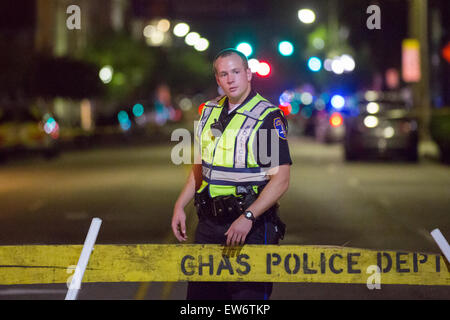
x=35, y=264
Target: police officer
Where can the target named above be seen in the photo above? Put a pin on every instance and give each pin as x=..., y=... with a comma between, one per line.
x=244, y=171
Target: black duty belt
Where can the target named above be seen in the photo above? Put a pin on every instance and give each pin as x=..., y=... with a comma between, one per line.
x=225, y=209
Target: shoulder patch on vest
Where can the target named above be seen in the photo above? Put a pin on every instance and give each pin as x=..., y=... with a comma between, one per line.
x=280, y=128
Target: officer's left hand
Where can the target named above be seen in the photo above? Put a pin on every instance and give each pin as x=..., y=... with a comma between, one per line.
x=238, y=231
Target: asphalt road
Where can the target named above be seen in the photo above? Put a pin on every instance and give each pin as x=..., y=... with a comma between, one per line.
x=375, y=205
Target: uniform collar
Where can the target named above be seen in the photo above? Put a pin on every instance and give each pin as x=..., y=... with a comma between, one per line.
x=250, y=96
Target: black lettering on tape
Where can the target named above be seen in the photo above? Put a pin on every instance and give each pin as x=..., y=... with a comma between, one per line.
x=270, y=263
x=287, y=264
x=380, y=261
x=323, y=262
x=416, y=261
x=225, y=264
x=399, y=262
x=240, y=261
x=306, y=270
x=351, y=262
x=438, y=263
x=332, y=268
x=209, y=264
x=183, y=265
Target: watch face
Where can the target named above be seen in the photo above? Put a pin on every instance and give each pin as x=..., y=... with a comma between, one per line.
x=249, y=215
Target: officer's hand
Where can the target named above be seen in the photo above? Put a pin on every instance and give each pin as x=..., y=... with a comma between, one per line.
x=179, y=224
x=238, y=231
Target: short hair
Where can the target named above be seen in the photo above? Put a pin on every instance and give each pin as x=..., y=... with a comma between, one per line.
x=228, y=52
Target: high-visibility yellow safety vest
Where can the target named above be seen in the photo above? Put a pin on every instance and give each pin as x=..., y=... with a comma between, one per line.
x=228, y=160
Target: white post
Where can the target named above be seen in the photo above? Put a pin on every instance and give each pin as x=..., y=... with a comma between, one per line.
x=91, y=237
x=442, y=243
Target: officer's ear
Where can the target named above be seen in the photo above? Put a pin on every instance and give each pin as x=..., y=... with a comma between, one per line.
x=249, y=74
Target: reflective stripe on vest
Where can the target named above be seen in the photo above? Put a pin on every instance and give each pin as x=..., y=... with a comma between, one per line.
x=233, y=176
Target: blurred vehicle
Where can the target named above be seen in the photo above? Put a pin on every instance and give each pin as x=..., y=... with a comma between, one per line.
x=329, y=127
x=384, y=127
x=28, y=130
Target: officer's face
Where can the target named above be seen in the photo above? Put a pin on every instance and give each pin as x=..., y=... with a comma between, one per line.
x=233, y=77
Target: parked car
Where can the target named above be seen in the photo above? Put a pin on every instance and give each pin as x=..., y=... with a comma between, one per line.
x=28, y=130
x=384, y=127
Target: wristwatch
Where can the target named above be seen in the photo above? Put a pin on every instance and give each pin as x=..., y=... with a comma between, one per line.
x=249, y=215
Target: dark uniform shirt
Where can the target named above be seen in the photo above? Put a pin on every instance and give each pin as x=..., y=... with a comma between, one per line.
x=263, y=149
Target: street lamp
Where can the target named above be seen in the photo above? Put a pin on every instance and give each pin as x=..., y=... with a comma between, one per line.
x=306, y=16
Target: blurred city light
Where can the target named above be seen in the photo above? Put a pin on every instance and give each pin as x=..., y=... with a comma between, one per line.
x=336, y=119
x=106, y=74
x=306, y=98
x=348, y=62
x=286, y=97
x=200, y=108
x=86, y=115
x=446, y=52
x=314, y=64
x=372, y=107
x=264, y=69
x=163, y=25
x=245, y=48
x=51, y=128
x=153, y=35
x=192, y=38
x=388, y=132
x=201, y=45
x=337, y=101
x=285, y=48
x=295, y=107
x=181, y=29
x=371, y=95
x=327, y=64
x=319, y=104
x=124, y=121
x=253, y=64
x=185, y=104
x=147, y=31
x=286, y=109
x=337, y=66
x=370, y=121
x=122, y=116
x=138, y=110
x=318, y=43
x=50, y=125
x=306, y=16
